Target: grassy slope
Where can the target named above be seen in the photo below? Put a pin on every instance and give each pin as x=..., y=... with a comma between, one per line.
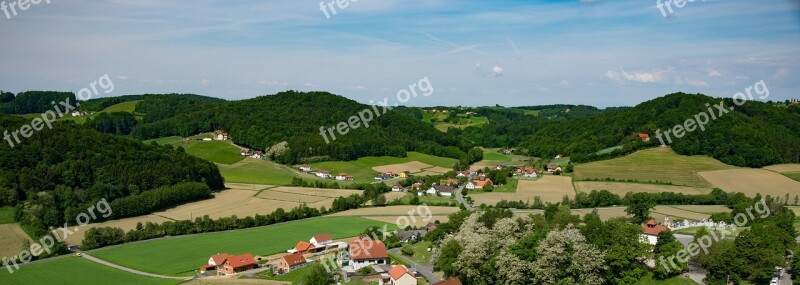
x=181, y=256
x=6, y=215
x=653, y=164
x=257, y=171
x=362, y=170
x=74, y=270
x=421, y=253
x=128, y=107
x=223, y=152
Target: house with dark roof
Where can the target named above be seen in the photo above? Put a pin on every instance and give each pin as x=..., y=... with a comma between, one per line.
x=291, y=262
x=553, y=167
x=405, y=236
x=238, y=264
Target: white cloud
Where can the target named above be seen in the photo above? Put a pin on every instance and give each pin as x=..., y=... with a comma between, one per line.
x=497, y=70
x=714, y=73
x=641, y=77
x=781, y=73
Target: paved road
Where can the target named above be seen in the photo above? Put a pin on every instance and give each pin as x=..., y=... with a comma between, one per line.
x=109, y=264
x=426, y=271
x=461, y=199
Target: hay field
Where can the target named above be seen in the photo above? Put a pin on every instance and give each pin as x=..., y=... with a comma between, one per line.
x=412, y=166
x=784, y=168
x=330, y=193
x=126, y=224
x=661, y=211
x=417, y=222
x=752, y=181
x=438, y=169
x=655, y=164
x=621, y=188
x=549, y=187
x=290, y=197
x=12, y=238
x=705, y=209
x=391, y=196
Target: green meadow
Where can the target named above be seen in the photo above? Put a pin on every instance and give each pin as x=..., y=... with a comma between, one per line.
x=76, y=270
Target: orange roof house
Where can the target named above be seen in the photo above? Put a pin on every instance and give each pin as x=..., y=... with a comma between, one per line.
x=291, y=261
x=239, y=263
x=401, y=276
x=644, y=137
x=303, y=246
x=652, y=228
x=452, y=281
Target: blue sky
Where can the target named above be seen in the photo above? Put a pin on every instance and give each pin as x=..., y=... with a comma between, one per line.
x=512, y=53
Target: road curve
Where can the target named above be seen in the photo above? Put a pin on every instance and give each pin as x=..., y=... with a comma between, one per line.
x=137, y=272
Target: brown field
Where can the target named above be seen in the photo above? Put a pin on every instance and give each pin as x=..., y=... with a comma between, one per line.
x=550, y=188
x=395, y=211
x=12, y=238
x=752, y=181
x=413, y=167
x=710, y=209
x=437, y=169
x=238, y=200
x=661, y=211
x=425, y=173
x=126, y=224
x=784, y=168
x=391, y=196
x=621, y=188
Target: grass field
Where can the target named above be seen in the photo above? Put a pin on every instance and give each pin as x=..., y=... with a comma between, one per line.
x=223, y=152
x=362, y=169
x=127, y=107
x=75, y=270
x=752, y=181
x=550, y=188
x=678, y=280
x=6, y=215
x=656, y=164
x=421, y=253
x=181, y=256
x=793, y=175
x=259, y=171
x=622, y=188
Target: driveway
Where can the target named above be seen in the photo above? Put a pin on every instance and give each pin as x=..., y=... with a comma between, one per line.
x=426, y=270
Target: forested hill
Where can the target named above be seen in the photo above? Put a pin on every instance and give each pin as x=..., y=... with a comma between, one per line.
x=755, y=134
x=57, y=173
x=296, y=118
x=32, y=101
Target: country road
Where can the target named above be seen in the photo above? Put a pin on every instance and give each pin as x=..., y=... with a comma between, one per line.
x=109, y=264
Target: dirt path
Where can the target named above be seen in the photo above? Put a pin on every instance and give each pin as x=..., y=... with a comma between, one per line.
x=137, y=272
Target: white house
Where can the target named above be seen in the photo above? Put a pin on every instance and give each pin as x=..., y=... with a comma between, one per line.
x=478, y=184
x=343, y=177
x=323, y=174
x=305, y=168
x=650, y=231
x=397, y=188
x=365, y=253
x=321, y=240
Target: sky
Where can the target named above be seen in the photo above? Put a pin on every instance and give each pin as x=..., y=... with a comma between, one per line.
x=473, y=52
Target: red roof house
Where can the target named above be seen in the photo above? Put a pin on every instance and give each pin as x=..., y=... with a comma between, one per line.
x=451, y=281
x=239, y=263
x=291, y=262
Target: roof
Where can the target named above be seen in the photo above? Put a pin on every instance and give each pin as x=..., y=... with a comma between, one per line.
x=368, y=250
x=294, y=259
x=398, y=271
x=241, y=260
x=652, y=228
x=446, y=189
x=220, y=258
x=482, y=183
x=302, y=246
x=405, y=235
x=323, y=237
x=451, y=281
x=553, y=166
x=644, y=136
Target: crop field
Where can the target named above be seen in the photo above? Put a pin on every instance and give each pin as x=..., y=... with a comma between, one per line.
x=676, y=214
x=784, y=168
x=492, y=157
x=391, y=196
x=752, y=181
x=75, y=270
x=549, y=187
x=363, y=168
x=12, y=239
x=126, y=224
x=656, y=164
x=622, y=188
x=705, y=209
x=407, y=214
x=180, y=256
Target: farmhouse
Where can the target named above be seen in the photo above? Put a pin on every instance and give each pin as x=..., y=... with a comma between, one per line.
x=221, y=136
x=650, y=231
x=405, y=236
x=462, y=174
x=323, y=174
x=302, y=247
x=291, y=262
x=397, y=188
x=416, y=186
x=238, y=264
x=384, y=176
x=318, y=243
x=258, y=155
x=446, y=191
x=304, y=168
x=321, y=240
x=218, y=259
x=401, y=276
x=479, y=184
x=529, y=172
x=404, y=174
x=431, y=191
x=553, y=167
x=343, y=177
x=367, y=252
x=644, y=137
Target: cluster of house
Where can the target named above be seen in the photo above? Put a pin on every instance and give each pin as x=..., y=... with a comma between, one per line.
x=80, y=113
x=392, y=175
x=254, y=154
x=325, y=174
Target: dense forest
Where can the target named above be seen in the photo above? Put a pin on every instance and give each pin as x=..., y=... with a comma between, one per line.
x=57, y=174
x=32, y=101
x=295, y=118
x=754, y=134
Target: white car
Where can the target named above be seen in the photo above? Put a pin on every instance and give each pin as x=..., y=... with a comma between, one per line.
x=774, y=281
